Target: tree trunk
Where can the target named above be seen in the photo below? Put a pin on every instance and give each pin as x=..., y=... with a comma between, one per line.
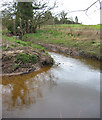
x=35, y=29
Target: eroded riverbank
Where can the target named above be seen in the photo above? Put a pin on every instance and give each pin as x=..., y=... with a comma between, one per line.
x=69, y=89
x=19, y=57
x=69, y=51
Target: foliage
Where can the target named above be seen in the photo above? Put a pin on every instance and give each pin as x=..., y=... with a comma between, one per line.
x=47, y=18
x=56, y=20
x=25, y=17
x=63, y=19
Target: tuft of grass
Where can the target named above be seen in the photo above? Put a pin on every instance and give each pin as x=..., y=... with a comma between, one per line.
x=16, y=66
x=21, y=42
x=35, y=46
x=26, y=58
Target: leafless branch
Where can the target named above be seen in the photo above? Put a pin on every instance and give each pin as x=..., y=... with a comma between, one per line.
x=86, y=10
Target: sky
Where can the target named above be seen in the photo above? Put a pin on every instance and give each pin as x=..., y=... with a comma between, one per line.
x=92, y=16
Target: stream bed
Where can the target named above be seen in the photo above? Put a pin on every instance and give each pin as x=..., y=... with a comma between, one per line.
x=68, y=89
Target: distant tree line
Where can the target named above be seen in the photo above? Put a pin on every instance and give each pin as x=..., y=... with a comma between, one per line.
x=63, y=19
x=25, y=17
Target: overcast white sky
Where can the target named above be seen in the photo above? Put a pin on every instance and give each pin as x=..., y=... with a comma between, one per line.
x=92, y=17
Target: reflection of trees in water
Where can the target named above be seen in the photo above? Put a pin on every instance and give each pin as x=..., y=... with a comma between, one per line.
x=20, y=91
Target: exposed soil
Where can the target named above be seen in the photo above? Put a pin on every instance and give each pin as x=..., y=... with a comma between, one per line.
x=68, y=51
x=9, y=67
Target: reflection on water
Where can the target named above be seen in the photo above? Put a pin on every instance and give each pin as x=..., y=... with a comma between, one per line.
x=25, y=89
x=70, y=88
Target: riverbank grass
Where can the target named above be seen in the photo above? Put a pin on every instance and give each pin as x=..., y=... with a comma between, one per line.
x=19, y=57
x=85, y=38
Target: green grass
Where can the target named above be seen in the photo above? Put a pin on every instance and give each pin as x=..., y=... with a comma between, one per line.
x=76, y=26
x=11, y=40
x=97, y=27
x=13, y=43
x=82, y=37
x=26, y=58
x=16, y=66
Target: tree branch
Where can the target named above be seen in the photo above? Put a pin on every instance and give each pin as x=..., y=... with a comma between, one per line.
x=85, y=10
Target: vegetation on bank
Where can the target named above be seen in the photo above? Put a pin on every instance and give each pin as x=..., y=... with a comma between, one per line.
x=12, y=42
x=22, y=57
x=85, y=38
x=23, y=19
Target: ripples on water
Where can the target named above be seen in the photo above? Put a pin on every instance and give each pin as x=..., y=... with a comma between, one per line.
x=70, y=88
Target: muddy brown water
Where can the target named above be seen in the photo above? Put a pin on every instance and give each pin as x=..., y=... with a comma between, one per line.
x=69, y=89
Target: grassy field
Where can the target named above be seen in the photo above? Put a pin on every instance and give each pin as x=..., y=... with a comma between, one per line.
x=85, y=38
x=11, y=42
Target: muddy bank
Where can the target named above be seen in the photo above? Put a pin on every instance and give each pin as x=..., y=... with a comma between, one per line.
x=22, y=60
x=68, y=51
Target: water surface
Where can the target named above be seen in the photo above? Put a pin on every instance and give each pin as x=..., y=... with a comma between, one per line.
x=69, y=89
